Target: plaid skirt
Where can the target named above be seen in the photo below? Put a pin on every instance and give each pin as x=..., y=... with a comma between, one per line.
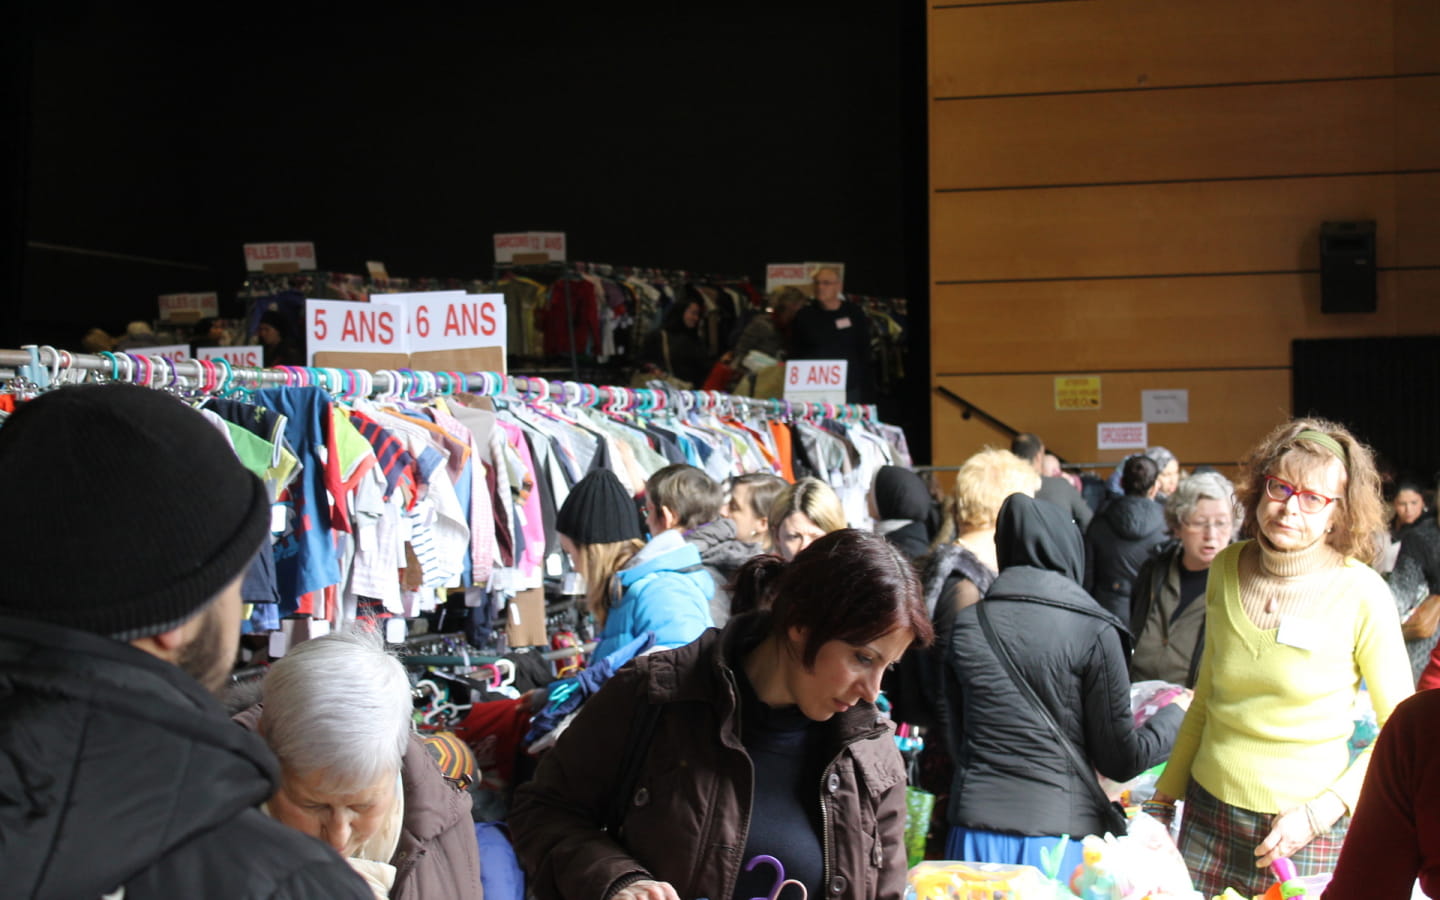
x=1218, y=842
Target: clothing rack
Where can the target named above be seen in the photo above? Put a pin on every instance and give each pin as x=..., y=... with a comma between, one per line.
x=39, y=367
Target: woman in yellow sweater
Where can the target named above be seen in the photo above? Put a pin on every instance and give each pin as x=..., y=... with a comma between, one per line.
x=1295, y=619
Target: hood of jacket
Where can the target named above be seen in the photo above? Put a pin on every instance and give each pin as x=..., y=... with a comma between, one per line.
x=113, y=759
x=948, y=558
x=1133, y=518
x=1039, y=535
x=719, y=546
x=661, y=555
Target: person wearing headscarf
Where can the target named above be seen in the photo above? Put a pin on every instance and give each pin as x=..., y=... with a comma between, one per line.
x=901, y=506
x=1015, y=791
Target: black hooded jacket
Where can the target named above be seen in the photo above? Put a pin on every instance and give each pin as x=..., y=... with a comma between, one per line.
x=119, y=770
x=1009, y=775
x=1118, y=541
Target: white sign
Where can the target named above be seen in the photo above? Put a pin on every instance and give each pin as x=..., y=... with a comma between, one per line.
x=204, y=304
x=452, y=320
x=1121, y=435
x=816, y=380
x=251, y=356
x=258, y=256
x=778, y=275
x=168, y=351
x=1165, y=406
x=340, y=325
x=550, y=243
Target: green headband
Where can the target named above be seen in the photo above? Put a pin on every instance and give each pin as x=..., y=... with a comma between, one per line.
x=1328, y=442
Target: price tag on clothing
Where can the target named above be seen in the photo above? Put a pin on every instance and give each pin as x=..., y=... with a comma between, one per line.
x=279, y=643
x=395, y=630
x=572, y=585
x=1303, y=634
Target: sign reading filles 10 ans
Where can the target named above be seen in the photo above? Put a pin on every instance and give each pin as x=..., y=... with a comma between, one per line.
x=280, y=257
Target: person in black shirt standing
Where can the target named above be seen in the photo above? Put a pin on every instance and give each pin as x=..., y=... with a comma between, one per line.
x=835, y=328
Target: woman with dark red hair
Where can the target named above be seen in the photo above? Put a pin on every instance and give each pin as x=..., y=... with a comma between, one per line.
x=756, y=750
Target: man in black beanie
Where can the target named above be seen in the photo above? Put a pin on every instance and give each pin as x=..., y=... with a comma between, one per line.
x=131, y=525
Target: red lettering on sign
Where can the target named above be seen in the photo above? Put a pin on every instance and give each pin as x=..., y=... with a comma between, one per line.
x=387, y=327
x=487, y=318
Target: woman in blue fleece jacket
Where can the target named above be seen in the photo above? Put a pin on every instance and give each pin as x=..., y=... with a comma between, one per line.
x=632, y=587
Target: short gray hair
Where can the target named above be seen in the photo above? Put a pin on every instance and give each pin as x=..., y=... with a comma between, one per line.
x=1200, y=486
x=338, y=707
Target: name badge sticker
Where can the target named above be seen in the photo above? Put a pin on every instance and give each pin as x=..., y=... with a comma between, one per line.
x=1303, y=634
x=843, y=322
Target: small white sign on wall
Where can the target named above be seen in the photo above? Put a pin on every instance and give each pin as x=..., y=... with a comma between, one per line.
x=1121, y=435
x=1165, y=406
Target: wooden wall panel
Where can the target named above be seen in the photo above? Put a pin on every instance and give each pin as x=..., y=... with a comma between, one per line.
x=1229, y=412
x=1159, y=323
x=1128, y=44
x=1227, y=132
x=1417, y=110
x=1135, y=190
x=1169, y=229
x=1417, y=36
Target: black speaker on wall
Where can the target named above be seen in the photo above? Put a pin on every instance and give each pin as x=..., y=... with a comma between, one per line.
x=1347, y=267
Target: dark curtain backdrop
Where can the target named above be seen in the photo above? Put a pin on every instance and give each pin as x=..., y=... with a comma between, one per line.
x=1383, y=389
x=659, y=134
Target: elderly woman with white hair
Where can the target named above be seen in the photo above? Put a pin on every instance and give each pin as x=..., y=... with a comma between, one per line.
x=1167, y=605
x=336, y=711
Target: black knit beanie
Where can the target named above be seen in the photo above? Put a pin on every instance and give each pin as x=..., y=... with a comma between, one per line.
x=599, y=511
x=901, y=494
x=128, y=511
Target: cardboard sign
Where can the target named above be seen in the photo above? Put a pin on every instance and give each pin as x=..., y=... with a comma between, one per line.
x=1165, y=406
x=200, y=305
x=1074, y=392
x=1121, y=436
x=525, y=624
x=816, y=380
x=343, y=326
x=532, y=246
x=251, y=356
x=376, y=270
x=778, y=275
x=168, y=351
x=290, y=257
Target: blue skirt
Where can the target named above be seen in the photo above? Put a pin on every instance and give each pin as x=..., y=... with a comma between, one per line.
x=972, y=845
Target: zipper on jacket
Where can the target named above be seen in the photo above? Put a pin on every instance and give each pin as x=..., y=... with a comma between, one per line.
x=825, y=832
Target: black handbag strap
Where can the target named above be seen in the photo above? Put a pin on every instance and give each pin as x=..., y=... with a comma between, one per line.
x=1087, y=772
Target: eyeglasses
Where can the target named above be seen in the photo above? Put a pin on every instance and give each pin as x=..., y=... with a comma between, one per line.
x=1200, y=526
x=1309, y=502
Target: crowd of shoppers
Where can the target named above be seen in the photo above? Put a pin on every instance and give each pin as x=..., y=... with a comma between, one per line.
x=750, y=732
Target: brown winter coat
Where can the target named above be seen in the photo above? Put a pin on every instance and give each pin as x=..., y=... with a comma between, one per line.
x=689, y=814
x=438, y=857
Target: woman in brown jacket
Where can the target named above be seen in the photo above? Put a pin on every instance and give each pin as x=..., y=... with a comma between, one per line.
x=756, y=749
x=337, y=711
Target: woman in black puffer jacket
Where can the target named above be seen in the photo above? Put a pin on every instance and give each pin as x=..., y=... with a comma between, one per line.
x=1015, y=791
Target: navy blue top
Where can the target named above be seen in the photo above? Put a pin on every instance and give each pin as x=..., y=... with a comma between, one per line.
x=784, y=746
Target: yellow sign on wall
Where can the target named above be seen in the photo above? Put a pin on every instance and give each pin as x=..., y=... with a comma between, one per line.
x=1077, y=392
